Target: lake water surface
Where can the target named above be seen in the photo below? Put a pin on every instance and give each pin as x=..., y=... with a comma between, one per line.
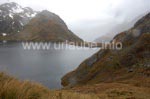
x=43, y=66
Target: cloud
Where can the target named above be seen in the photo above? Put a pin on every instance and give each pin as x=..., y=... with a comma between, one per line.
x=90, y=19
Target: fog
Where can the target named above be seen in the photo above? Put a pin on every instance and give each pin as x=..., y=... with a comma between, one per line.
x=90, y=19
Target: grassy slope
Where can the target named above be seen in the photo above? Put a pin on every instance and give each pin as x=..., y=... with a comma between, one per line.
x=11, y=88
x=115, y=91
x=117, y=74
x=116, y=65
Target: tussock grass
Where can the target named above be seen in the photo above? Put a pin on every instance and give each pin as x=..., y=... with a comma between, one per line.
x=11, y=88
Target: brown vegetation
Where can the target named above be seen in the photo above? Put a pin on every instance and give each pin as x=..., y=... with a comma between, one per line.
x=132, y=62
x=11, y=88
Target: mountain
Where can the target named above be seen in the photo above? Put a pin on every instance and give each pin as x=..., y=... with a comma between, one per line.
x=130, y=65
x=25, y=24
x=13, y=17
x=116, y=29
x=104, y=38
x=46, y=26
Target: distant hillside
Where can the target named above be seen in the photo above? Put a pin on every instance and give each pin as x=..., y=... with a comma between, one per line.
x=129, y=65
x=105, y=38
x=46, y=26
x=116, y=29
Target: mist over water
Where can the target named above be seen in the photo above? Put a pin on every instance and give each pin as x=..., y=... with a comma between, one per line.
x=46, y=67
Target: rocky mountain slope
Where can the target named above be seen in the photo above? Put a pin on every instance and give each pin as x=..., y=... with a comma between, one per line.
x=13, y=17
x=46, y=26
x=128, y=65
x=24, y=24
x=116, y=29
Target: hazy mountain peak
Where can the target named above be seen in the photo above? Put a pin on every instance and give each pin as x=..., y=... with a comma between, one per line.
x=13, y=17
x=11, y=7
x=144, y=20
x=47, y=15
x=47, y=26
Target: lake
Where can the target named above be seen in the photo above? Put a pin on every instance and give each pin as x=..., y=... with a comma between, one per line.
x=42, y=66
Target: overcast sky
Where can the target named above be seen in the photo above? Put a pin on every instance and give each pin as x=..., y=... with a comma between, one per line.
x=91, y=19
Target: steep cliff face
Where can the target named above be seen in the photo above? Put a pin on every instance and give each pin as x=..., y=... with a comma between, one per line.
x=46, y=26
x=13, y=17
x=129, y=63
